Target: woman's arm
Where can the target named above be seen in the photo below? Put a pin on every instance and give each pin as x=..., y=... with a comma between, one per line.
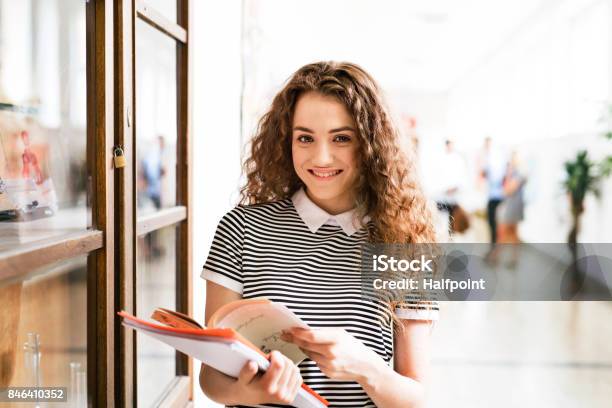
x=279, y=384
x=405, y=385
x=341, y=356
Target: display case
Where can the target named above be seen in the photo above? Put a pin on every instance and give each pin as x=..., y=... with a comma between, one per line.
x=43, y=321
x=76, y=244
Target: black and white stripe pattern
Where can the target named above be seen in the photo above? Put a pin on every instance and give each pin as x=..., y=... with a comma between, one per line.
x=267, y=250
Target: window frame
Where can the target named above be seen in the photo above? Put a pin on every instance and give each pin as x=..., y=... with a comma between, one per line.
x=110, y=243
x=180, y=214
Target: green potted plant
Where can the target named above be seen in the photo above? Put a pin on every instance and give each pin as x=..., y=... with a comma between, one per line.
x=583, y=176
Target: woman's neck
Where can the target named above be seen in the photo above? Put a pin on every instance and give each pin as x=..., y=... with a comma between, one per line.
x=335, y=205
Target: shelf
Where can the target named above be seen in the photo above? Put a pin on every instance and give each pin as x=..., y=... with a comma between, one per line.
x=28, y=110
x=19, y=262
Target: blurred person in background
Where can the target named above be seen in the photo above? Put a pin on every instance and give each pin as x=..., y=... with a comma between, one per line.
x=511, y=211
x=153, y=171
x=453, y=181
x=492, y=171
x=410, y=130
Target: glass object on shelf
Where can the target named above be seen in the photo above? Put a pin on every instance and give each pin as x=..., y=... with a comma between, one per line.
x=155, y=287
x=43, y=326
x=156, y=119
x=43, y=174
x=32, y=360
x=166, y=8
x=77, y=393
x=81, y=390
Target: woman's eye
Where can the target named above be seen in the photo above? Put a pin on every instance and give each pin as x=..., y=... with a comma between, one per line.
x=304, y=139
x=342, y=138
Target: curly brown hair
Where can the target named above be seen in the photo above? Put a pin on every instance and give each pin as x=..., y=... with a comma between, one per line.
x=387, y=188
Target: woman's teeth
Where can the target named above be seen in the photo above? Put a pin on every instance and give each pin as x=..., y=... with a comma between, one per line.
x=325, y=173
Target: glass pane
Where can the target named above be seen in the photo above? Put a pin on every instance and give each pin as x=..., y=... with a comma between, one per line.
x=166, y=8
x=156, y=119
x=43, y=176
x=155, y=287
x=43, y=321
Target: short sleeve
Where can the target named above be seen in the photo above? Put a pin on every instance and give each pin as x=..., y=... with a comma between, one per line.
x=417, y=309
x=224, y=263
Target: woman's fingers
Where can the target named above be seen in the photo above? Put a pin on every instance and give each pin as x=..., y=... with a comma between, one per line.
x=313, y=355
x=294, y=383
x=318, y=336
x=247, y=373
x=278, y=385
x=285, y=377
x=313, y=343
x=279, y=381
x=272, y=376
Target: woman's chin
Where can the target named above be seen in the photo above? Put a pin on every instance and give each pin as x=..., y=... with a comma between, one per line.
x=324, y=192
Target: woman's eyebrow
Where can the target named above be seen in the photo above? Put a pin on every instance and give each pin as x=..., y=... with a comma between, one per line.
x=342, y=129
x=303, y=129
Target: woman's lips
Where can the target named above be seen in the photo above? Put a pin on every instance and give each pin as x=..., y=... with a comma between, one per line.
x=326, y=174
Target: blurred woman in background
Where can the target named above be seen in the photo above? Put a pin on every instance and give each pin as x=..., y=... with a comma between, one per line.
x=511, y=211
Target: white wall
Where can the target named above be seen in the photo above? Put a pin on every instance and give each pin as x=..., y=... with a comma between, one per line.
x=549, y=79
x=429, y=108
x=217, y=79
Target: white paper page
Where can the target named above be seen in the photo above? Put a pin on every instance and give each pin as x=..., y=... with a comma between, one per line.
x=262, y=325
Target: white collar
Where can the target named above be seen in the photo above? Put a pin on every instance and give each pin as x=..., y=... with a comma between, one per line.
x=314, y=216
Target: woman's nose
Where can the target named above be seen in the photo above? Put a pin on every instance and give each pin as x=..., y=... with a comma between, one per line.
x=323, y=155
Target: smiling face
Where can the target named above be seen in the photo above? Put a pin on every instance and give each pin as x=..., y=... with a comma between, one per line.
x=324, y=148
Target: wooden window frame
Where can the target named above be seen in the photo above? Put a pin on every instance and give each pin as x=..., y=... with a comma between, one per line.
x=101, y=318
x=110, y=243
x=158, y=220
x=157, y=20
x=180, y=215
x=125, y=242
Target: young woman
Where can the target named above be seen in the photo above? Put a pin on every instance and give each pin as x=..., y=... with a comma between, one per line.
x=510, y=211
x=324, y=176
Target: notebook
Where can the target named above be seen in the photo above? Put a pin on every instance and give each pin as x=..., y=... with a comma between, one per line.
x=223, y=348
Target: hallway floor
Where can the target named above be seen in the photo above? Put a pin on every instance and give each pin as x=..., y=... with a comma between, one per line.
x=527, y=354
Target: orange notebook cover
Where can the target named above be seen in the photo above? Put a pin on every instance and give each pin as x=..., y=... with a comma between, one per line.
x=174, y=319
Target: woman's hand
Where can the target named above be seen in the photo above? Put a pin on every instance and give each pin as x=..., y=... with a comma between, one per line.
x=278, y=385
x=339, y=355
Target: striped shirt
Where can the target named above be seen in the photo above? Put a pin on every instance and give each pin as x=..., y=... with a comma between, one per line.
x=294, y=253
